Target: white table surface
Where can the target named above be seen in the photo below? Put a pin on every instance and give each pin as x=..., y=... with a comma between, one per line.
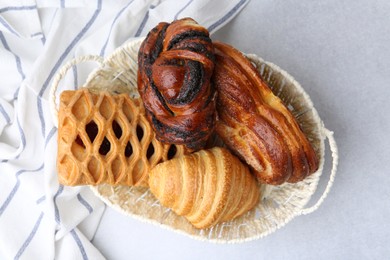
x=340, y=53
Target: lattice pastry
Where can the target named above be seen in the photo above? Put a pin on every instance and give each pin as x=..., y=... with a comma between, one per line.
x=104, y=138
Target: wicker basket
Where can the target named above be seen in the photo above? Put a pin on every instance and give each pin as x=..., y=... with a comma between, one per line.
x=278, y=205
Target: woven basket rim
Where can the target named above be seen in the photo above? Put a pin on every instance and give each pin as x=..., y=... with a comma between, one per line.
x=315, y=176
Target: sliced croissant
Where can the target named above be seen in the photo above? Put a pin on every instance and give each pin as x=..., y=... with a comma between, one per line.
x=206, y=187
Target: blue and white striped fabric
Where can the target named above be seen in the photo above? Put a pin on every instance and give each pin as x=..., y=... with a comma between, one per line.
x=40, y=219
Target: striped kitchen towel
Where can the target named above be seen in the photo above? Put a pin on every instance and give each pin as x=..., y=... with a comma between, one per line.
x=39, y=218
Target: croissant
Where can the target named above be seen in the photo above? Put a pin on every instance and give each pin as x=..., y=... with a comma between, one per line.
x=206, y=187
x=176, y=62
x=255, y=124
x=104, y=138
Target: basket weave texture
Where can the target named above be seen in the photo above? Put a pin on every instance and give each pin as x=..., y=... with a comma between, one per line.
x=278, y=205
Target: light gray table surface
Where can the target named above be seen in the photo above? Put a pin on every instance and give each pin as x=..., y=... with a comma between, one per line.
x=340, y=53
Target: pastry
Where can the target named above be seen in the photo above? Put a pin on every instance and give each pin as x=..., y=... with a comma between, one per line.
x=206, y=187
x=255, y=124
x=176, y=62
x=104, y=138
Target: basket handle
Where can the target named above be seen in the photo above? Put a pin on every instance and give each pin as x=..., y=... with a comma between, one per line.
x=60, y=75
x=335, y=157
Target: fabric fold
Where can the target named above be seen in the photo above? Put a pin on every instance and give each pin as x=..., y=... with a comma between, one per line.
x=21, y=19
x=39, y=218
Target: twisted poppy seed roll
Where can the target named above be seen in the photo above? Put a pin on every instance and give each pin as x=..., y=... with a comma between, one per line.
x=176, y=62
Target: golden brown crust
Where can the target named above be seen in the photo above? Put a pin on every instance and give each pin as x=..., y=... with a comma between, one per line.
x=206, y=187
x=176, y=62
x=104, y=138
x=255, y=124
